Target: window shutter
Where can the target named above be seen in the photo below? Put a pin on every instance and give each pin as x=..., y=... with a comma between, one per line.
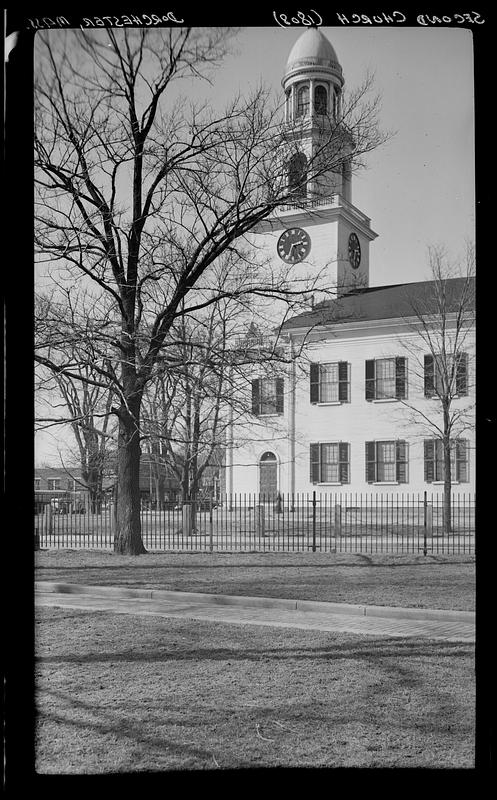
x=314, y=463
x=400, y=378
x=343, y=381
x=429, y=376
x=461, y=471
x=462, y=374
x=370, y=462
x=279, y=395
x=314, y=384
x=343, y=458
x=370, y=380
x=256, y=396
x=401, y=461
x=429, y=448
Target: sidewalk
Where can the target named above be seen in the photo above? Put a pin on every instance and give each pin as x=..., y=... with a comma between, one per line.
x=308, y=614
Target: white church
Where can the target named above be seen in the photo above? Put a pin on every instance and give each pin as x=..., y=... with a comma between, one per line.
x=357, y=406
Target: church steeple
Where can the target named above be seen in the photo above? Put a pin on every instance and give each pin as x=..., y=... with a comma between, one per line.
x=313, y=83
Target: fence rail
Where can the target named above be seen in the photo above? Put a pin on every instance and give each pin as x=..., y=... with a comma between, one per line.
x=372, y=523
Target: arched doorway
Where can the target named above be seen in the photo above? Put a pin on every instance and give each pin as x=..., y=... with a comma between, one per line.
x=268, y=475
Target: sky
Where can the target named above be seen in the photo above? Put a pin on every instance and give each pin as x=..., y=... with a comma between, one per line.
x=418, y=188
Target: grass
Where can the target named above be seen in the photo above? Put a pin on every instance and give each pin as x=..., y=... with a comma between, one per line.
x=445, y=582
x=176, y=694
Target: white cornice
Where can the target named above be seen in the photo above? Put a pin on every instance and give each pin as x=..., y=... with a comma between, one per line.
x=380, y=327
x=303, y=217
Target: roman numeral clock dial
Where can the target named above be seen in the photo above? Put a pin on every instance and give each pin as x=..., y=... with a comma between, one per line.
x=294, y=245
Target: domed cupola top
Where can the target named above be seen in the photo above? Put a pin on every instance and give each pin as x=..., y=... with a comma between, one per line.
x=312, y=53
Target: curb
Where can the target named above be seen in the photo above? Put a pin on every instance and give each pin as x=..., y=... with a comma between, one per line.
x=202, y=598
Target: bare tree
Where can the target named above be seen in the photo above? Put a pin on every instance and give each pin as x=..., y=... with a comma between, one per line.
x=74, y=396
x=201, y=385
x=441, y=322
x=138, y=196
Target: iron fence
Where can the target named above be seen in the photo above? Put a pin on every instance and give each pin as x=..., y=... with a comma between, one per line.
x=316, y=522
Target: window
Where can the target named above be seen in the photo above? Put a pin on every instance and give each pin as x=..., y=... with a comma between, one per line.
x=330, y=462
x=330, y=383
x=297, y=175
x=267, y=396
x=302, y=101
x=53, y=484
x=320, y=100
x=336, y=104
x=71, y=485
x=440, y=377
x=386, y=378
x=434, y=460
x=387, y=462
x=37, y=483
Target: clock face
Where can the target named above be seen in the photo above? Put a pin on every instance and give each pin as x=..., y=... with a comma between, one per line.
x=294, y=245
x=354, y=251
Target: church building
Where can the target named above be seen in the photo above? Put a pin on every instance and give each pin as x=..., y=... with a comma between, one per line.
x=358, y=405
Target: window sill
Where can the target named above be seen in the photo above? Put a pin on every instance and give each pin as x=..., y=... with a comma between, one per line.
x=385, y=400
x=442, y=483
x=329, y=403
x=329, y=483
x=263, y=416
x=386, y=483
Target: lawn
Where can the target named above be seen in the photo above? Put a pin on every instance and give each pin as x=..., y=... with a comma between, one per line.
x=118, y=693
x=445, y=582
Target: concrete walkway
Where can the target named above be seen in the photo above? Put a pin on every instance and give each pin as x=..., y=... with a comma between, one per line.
x=450, y=626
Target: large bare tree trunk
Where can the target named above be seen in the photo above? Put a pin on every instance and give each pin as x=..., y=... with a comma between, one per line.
x=128, y=523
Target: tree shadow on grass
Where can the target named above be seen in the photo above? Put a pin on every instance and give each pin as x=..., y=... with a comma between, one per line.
x=363, y=560
x=378, y=650
x=117, y=723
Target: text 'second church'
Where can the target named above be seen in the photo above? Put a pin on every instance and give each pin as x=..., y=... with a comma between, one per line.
x=359, y=407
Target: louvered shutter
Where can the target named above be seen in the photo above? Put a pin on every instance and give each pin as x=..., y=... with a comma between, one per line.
x=314, y=384
x=370, y=380
x=370, y=462
x=344, y=460
x=462, y=374
x=429, y=375
x=279, y=395
x=400, y=378
x=401, y=461
x=343, y=381
x=256, y=396
x=314, y=463
x=461, y=471
x=429, y=452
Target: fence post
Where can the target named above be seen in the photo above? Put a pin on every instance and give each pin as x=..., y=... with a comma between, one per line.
x=314, y=522
x=47, y=513
x=428, y=523
x=210, y=528
x=260, y=522
x=338, y=520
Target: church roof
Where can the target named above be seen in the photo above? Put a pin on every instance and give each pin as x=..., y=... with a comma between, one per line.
x=381, y=302
x=312, y=48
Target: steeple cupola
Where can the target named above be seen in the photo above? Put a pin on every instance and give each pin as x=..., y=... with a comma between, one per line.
x=313, y=78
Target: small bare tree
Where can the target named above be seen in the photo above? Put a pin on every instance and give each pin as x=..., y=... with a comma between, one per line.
x=441, y=323
x=74, y=394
